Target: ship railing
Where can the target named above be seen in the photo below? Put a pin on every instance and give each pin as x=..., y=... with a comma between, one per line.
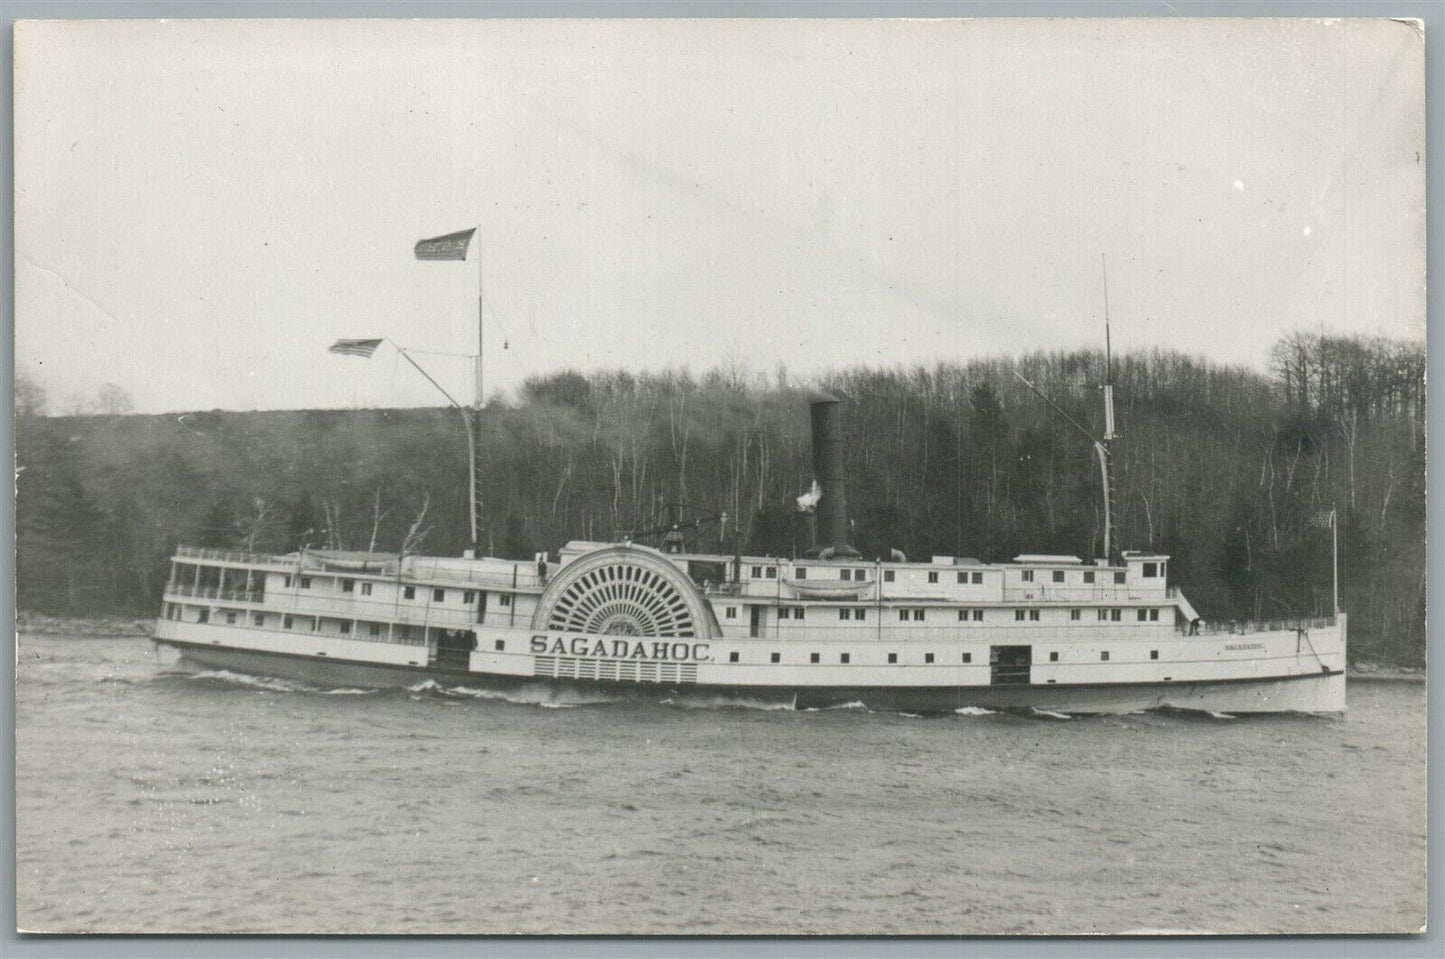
x=1243, y=627
x=1047, y=593
x=224, y=555
x=215, y=592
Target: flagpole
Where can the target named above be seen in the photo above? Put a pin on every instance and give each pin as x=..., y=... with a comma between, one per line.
x=478, y=400
x=1335, y=537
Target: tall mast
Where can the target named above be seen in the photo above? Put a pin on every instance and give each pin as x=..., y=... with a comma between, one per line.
x=1104, y=445
x=475, y=469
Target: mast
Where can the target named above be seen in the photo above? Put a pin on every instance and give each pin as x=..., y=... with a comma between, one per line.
x=1103, y=445
x=475, y=427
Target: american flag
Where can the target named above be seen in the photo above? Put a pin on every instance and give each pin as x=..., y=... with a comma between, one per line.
x=355, y=347
x=453, y=246
x=1322, y=520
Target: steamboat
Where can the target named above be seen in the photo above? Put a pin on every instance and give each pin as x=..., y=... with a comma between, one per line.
x=1048, y=632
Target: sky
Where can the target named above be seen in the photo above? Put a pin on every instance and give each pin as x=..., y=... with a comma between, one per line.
x=203, y=207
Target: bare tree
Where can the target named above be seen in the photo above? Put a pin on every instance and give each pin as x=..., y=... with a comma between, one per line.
x=417, y=533
x=113, y=400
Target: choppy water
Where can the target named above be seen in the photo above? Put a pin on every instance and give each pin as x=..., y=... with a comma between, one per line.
x=151, y=801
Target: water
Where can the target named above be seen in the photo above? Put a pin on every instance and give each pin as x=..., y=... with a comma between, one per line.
x=149, y=801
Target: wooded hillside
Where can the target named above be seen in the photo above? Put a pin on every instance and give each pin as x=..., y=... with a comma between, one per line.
x=1223, y=468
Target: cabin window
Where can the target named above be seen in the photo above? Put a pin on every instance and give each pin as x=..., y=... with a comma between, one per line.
x=846, y=574
x=438, y=595
x=801, y=573
x=374, y=629
x=903, y=615
x=893, y=657
x=731, y=612
x=733, y=656
x=504, y=599
x=861, y=575
x=1053, y=657
x=259, y=619
x=1104, y=656
x=963, y=615
x=968, y=657
x=888, y=576
x=1119, y=579
x=203, y=615
x=366, y=589
x=977, y=578
x=1151, y=570
x=812, y=657
x=1153, y=615
x=1153, y=654
x=316, y=624
x=1019, y=615
x=963, y=577
x=928, y=657
x=860, y=613
x=798, y=612
x=288, y=622
x=230, y=618
x=1143, y=615
x=1058, y=576
x=933, y=576
x=783, y=612
x=1103, y=615
x=844, y=657
x=306, y=582
x=408, y=592
x=843, y=614
x=918, y=615
x=772, y=572
x=468, y=596
x=777, y=657
x=286, y=581
x=1034, y=615
x=1074, y=614
x=1089, y=577
x=757, y=572
x=1027, y=576
x=499, y=645
x=1115, y=615
x=348, y=586
x=978, y=615
x=345, y=629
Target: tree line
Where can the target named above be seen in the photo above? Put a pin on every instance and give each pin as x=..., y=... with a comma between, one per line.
x=1232, y=472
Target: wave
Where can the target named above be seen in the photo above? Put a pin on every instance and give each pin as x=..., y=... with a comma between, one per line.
x=1048, y=713
x=975, y=711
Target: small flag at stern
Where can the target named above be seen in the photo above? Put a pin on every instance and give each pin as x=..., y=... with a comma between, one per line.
x=355, y=347
x=1323, y=520
x=453, y=246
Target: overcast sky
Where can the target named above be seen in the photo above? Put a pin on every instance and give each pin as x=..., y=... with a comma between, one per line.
x=203, y=207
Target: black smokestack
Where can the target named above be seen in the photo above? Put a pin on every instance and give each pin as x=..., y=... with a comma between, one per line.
x=832, y=535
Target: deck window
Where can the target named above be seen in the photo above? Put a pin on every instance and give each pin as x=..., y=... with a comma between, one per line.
x=504, y=599
x=468, y=596
x=843, y=614
x=977, y=578
x=731, y=612
x=288, y=622
x=1034, y=615
x=438, y=595
x=348, y=585
x=772, y=572
x=1153, y=654
x=345, y=629
x=203, y=615
x=861, y=575
x=800, y=573
x=500, y=645
x=259, y=619
x=286, y=580
x=1053, y=657
x=963, y=577
x=860, y=613
x=978, y=615
x=1151, y=570
x=1104, y=656
x=733, y=656
x=903, y=615
x=783, y=612
x=1019, y=615
x=968, y=657
x=798, y=612
x=844, y=658
x=1089, y=577
x=933, y=576
x=1143, y=615
x=888, y=576
x=408, y=592
x=1103, y=615
x=846, y=574
x=1058, y=576
x=1153, y=615
x=777, y=657
x=1119, y=579
x=366, y=589
x=1027, y=576
x=306, y=582
x=757, y=572
x=812, y=657
x=893, y=657
x=928, y=657
x=230, y=618
x=374, y=629
x=918, y=615
x=1074, y=614
x=1115, y=615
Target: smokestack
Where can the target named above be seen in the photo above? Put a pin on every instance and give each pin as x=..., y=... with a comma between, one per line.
x=832, y=527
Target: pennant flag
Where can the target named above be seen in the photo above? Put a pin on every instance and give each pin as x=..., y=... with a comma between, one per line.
x=453, y=246
x=355, y=347
x=1322, y=520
